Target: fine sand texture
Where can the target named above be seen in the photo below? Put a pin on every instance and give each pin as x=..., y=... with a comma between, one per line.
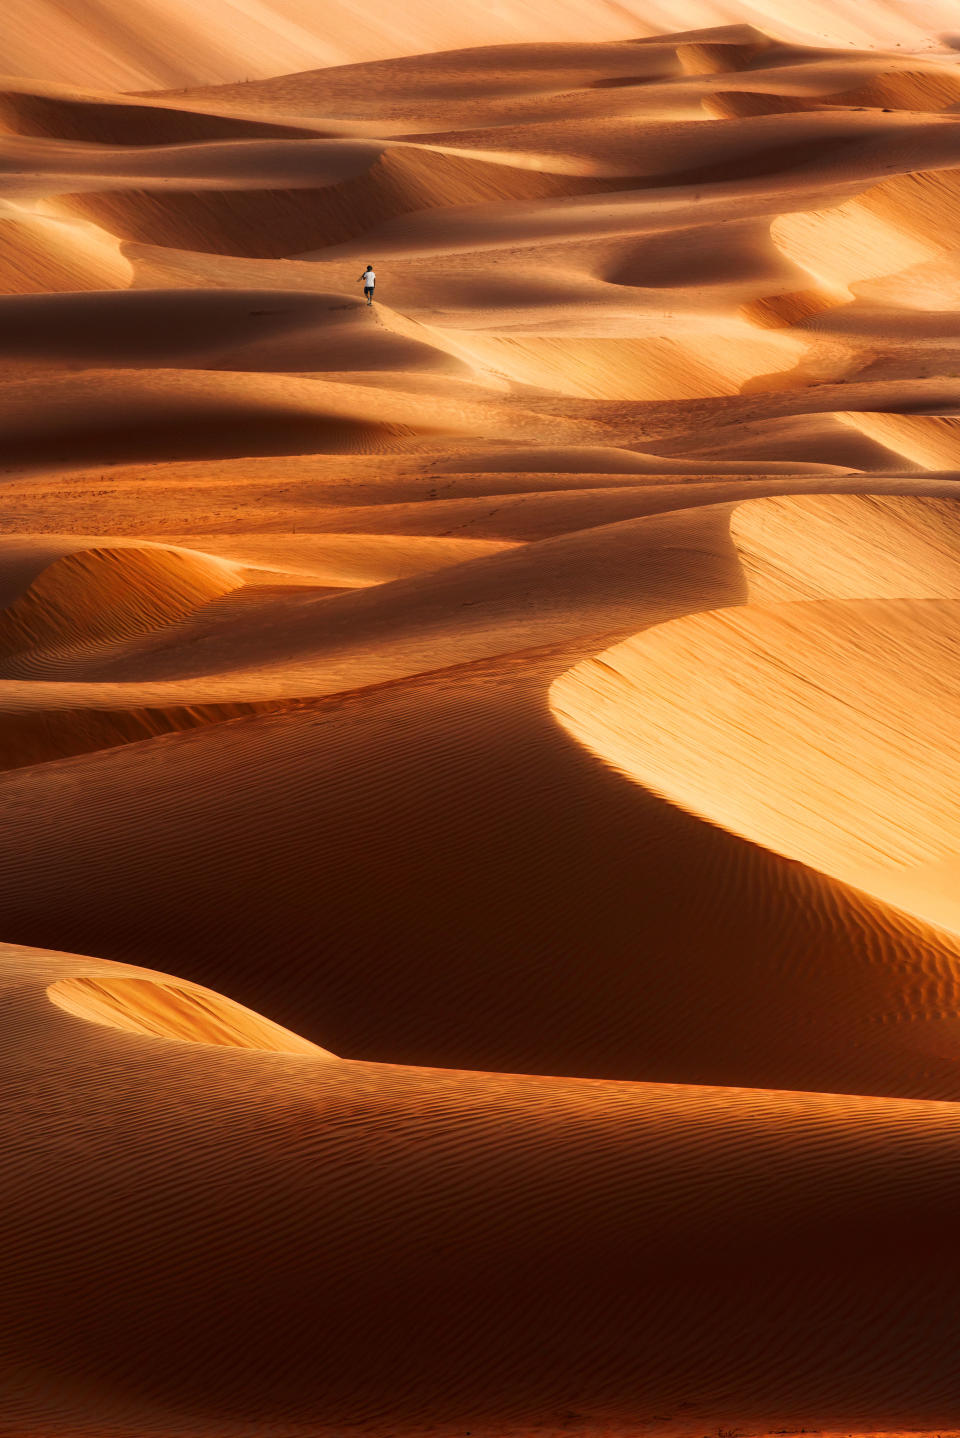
x=479, y=843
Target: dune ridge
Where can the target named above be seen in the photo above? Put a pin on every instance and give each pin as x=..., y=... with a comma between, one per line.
x=173, y=1011
x=97, y=595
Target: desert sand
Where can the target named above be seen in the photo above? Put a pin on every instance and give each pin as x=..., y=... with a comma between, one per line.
x=479, y=850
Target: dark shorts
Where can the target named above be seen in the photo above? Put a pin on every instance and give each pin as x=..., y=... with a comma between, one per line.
x=368, y=290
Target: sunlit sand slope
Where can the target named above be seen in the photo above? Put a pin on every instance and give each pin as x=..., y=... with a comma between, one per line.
x=820, y=729
x=172, y=1010
x=168, y=43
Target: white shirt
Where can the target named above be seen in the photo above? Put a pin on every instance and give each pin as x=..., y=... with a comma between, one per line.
x=369, y=279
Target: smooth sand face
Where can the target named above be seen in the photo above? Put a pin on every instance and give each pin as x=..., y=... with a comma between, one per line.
x=478, y=844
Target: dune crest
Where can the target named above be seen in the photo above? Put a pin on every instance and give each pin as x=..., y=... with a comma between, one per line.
x=170, y=1009
x=102, y=595
x=827, y=738
x=41, y=251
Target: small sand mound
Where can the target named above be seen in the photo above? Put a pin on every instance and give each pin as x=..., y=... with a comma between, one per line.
x=171, y=1009
x=742, y=104
x=101, y=596
x=712, y=58
x=931, y=90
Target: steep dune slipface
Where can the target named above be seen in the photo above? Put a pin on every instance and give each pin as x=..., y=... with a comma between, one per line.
x=897, y=224
x=820, y=729
x=42, y=251
x=848, y=547
x=932, y=441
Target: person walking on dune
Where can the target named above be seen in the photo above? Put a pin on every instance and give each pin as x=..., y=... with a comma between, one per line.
x=369, y=280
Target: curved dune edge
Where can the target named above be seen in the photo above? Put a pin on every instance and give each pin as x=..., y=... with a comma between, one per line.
x=115, y=120
x=848, y=546
x=742, y=104
x=895, y=225
x=42, y=251
x=96, y=596
x=719, y=58
x=130, y=415
x=819, y=730
x=716, y=360
x=171, y=1009
x=30, y=736
x=927, y=439
x=780, y=311
x=275, y=223
x=927, y=88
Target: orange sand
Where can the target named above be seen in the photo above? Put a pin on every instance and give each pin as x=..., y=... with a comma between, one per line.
x=478, y=838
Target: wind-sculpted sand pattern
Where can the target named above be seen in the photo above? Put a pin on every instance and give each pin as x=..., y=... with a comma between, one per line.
x=478, y=834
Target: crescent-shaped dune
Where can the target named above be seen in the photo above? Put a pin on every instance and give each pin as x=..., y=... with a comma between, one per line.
x=171, y=1009
x=819, y=727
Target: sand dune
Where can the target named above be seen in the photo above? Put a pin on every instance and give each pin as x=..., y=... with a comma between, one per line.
x=170, y=1009
x=58, y=114
x=244, y=330
x=872, y=657
x=41, y=251
x=102, y=594
x=625, y=1168
x=276, y=223
x=473, y=757
x=879, y=577
x=478, y=849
